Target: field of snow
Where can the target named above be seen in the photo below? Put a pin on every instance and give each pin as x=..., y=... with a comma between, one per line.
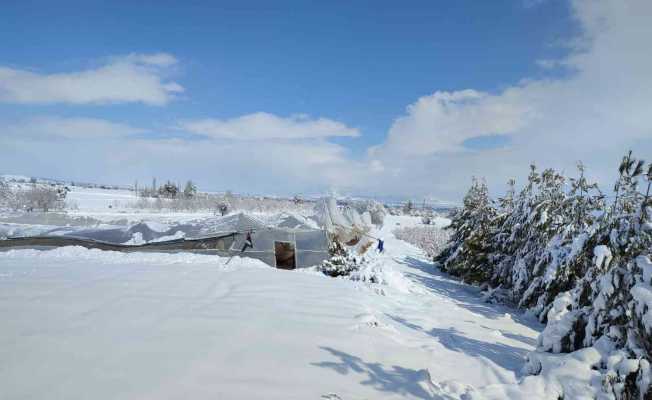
x=79, y=322
x=76, y=323
x=116, y=205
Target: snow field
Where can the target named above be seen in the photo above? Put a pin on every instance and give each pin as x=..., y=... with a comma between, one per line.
x=116, y=325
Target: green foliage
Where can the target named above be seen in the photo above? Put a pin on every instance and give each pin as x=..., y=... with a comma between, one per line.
x=168, y=190
x=471, y=228
x=556, y=237
x=341, y=262
x=190, y=190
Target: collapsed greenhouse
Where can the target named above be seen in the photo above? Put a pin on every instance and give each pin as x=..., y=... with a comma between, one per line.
x=289, y=245
x=286, y=246
x=285, y=240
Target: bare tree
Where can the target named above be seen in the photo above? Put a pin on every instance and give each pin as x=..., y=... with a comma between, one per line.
x=407, y=208
x=42, y=198
x=5, y=194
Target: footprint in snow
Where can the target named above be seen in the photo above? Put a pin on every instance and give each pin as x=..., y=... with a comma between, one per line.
x=367, y=320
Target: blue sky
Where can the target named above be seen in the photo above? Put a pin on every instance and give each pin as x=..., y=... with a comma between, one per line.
x=357, y=64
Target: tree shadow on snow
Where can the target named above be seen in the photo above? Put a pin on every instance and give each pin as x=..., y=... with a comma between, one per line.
x=394, y=379
x=508, y=357
x=465, y=295
x=523, y=339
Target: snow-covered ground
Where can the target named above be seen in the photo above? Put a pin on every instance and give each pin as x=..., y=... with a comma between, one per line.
x=117, y=205
x=79, y=323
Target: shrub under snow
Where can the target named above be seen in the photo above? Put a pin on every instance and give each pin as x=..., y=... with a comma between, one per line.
x=342, y=262
x=345, y=263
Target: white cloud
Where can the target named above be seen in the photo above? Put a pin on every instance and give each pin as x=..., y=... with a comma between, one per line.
x=155, y=59
x=444, y=120
x=273, y=167
x=596, y=113
x=549, y=64
x=46, y=128
x=279, y=155
x=128, y=79
x=261, y=126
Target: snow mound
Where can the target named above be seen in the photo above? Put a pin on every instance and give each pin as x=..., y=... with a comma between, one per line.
x=560, y=323
x=642, y=292
x=383, y=274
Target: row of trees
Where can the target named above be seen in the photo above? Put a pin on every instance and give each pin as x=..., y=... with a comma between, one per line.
x=169, y=197
x=423, y=210
x=579, y=260
x=200, y=202
x=168, y=190
x=33, y=197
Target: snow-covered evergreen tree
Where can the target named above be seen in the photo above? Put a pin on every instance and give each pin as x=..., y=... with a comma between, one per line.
x=523, y=229
x=169, y=190
x=558, y=266
x=190, y=190
x=582, y=267
x=341, y=261
x=612, y=302
x=470, y=246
